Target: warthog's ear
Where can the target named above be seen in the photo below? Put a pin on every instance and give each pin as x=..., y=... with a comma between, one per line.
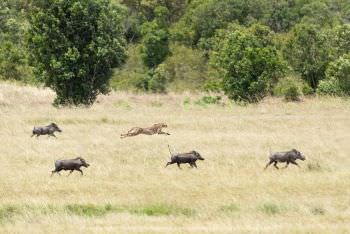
x=295, y=151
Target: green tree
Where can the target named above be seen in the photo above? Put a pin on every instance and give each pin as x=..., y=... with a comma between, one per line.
x=154, y=44
x=74, y=45
x=308, y=51
x=341, y=39
x=249, y=63
x=339, y=71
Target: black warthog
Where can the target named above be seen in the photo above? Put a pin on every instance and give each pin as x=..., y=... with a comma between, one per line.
x=48, y=130
x=70, y=164
x=287, y=157
x=190, y=158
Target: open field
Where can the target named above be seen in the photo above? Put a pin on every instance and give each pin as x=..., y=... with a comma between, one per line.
x=127, y=189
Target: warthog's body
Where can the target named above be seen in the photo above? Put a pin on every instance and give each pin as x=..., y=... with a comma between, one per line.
x=155, y=129
x=287, y=157
x=48, y=130
x=190, y=158
x=70, y=164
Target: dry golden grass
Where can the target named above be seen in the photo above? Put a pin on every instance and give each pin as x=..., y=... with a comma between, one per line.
x=128, y=190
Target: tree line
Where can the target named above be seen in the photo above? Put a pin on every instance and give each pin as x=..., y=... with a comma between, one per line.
x=246, y=49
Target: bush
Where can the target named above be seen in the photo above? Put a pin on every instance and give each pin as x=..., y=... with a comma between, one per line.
x=74, y=45
x=291, y=88
x=329, y=87
x=209, y=100
x=337, y=80
x=248, y=62
x=154, y=44
x=154, y=81
x=185, y=69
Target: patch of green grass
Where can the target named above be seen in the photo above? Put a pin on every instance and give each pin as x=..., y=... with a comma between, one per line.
x=271, y=208
x=90, y=210
x=156, y=104
x=209, y=100
x=7, y=212
x=122, y=104
x=187, y=101
x=318, y=211
x=162, y=209
x=230, y=208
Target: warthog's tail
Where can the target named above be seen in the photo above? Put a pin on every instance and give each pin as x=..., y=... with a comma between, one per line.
x=171, y=154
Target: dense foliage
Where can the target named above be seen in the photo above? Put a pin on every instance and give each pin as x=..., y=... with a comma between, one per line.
x=178, y=45
x=249, y=62
x=73, y=47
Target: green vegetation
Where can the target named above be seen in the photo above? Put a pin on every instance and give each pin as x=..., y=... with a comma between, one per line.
x=242, y=48
x=73, y=47
x=271, y=208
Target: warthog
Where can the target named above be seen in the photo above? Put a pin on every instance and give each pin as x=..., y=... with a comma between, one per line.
x=48, y=130
x=190, y=158
x=155, y=129
x=287, y=157
x=70, y=164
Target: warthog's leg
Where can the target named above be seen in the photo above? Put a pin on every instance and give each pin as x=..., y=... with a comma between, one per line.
x=78, y=169
x=70, y=172
x=293, y=162
x=169, y=163
x=52, y=134
x=194, y=164
x=56, y=171
x=178, y=164
x=275, y=165
x=269, y=163
x=287, y=164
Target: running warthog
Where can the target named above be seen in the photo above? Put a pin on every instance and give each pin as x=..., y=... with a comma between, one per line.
x=190, y=158
x=70, y=164
x=287, y=157
x=47, y=130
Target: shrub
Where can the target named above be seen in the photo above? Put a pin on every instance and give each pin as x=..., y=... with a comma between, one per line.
x=248, y=62
x=329, y=87
x=209, y=100
x=154, y=44
x=337, y=80
x=185, y=69
x=154, y=81
x=308, y=52
x=74, y=45
x=291, y=88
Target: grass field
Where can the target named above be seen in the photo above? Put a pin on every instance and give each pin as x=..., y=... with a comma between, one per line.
x=127, y=189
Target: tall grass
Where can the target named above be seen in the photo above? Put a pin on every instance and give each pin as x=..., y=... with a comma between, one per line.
x=127, y=189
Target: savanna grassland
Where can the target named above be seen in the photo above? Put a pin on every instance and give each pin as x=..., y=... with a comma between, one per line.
x=127, y=189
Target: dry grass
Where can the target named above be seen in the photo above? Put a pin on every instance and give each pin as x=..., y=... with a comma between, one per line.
x=128, y=190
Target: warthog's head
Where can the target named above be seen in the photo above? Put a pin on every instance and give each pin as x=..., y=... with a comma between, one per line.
x=54, y=126
x=83, y=162
x=298, y=155
x=199, y=157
